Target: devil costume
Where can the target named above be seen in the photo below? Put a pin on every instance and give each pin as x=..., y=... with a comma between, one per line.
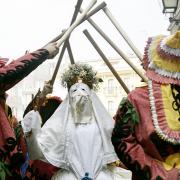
x=11, y=156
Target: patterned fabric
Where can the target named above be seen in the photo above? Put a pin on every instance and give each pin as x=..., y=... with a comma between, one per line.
x=20, y=68
x=165, y=109
x=162, y=57
x=3, y=61
x=137, y=144
x=12, y=145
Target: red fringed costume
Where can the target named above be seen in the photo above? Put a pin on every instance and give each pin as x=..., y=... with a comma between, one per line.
x=11, y=155
x=146, y=135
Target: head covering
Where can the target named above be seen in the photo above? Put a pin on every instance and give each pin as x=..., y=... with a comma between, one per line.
x=162, y=59
x=57, y=131
x=80, y=102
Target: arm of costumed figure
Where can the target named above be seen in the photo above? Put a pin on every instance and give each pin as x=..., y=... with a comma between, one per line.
x=46, y=107
x=31, y=125
x=130, y=151
x=18, y=69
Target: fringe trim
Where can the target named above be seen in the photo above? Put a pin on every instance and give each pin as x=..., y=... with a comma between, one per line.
x=168, y=50
x=166, y=56
x=151, y=74
x=158, y=130
x=146, y=51
x=163, y=72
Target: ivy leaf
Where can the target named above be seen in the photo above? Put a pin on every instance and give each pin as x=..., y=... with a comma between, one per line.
x=4, y=170
x=126, y=118
x=135, y=117
x=130, y=113
x=123, y=102
x=2, y=175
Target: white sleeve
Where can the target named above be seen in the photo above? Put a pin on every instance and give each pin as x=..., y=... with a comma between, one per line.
x=31, y=125
x=32, y=120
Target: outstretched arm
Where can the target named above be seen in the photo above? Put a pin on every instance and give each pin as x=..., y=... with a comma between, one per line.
x=14, y=72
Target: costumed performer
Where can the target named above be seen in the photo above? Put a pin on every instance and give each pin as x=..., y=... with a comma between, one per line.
x=11, y=157
x=146, y=135
x=77, y=137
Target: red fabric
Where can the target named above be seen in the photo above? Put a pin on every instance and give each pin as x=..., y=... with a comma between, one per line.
x=161, y=79
x=140, y=100
x=162, y=121
x=150, y=73
x=5, y=128
x=9, y=76
x=18, y=66
x=164, y=55
x=143, y=150
x=43, y=169
x=3, y=61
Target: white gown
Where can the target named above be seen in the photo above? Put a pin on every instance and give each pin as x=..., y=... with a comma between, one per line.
x=87, y=155
x=79, y=149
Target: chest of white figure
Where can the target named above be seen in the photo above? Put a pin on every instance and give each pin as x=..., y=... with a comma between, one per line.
x=87, y=148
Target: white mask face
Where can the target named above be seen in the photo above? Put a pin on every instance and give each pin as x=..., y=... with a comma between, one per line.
x=80, y=103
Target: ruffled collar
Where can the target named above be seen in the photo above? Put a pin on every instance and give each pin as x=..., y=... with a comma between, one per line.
x=162, y=62
x=165, y=111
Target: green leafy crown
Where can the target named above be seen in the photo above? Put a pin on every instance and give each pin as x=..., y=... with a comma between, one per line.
x=80, y=71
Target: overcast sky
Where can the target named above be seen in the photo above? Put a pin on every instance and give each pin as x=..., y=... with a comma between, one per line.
x=29, y=24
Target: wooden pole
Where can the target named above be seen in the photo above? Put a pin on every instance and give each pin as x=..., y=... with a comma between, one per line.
x=89, y=37
x=94, y=11
x=75, y=14
x=122, y=32
x=116, y=48
x=70, y=52
x=71, y=28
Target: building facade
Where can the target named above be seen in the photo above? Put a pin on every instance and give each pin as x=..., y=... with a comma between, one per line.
x=175, y=19
x=110, y=91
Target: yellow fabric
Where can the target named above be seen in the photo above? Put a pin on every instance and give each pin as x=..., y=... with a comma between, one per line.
x=172, y=161
x=172, y=66
x=11, y=120
x=174, y=41
x=171, y=115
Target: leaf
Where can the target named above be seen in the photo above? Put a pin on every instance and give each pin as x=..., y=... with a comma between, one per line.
x=4, y=170
x=2, y=174
x=130, y=113
x=123, y=102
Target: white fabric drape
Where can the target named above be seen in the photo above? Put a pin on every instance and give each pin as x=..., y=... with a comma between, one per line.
x=77, y=137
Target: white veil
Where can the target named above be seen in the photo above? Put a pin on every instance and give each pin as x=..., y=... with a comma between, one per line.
x=54, y=135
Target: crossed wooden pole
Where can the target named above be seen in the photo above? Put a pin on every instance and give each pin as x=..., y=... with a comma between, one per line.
x=86, y=15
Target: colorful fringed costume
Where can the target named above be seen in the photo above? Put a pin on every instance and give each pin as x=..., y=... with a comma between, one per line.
x=146, y=135
x=11, y=142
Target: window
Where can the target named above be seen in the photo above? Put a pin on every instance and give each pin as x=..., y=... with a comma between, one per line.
x=110, y=86
x=110, y=106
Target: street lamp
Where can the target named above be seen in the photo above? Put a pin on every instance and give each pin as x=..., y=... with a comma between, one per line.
x=170, y=6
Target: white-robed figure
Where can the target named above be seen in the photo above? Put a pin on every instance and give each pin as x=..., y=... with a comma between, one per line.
x=77, y=137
